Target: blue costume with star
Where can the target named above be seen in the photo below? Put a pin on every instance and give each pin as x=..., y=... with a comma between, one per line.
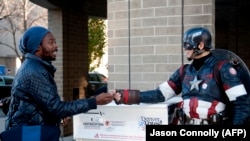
x=203, y=95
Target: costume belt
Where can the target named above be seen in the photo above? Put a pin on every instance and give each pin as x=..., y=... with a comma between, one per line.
x=212, y=120
x=197, y=121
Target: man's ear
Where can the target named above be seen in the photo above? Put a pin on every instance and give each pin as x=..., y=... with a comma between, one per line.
x=201, y=45
x=38, y=50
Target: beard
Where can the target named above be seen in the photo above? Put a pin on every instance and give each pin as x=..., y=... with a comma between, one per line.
x=48, y=55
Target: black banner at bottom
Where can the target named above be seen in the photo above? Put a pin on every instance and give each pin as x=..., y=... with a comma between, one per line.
x=215, y=132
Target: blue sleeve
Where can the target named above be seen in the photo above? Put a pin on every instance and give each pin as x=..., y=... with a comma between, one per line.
x=151, y=96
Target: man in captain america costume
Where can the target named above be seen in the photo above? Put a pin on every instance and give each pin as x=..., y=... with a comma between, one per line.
x=207, y=98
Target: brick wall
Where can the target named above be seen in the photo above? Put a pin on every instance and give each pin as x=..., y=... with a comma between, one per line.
x=152, y=46
x=55, y=26
x=70, y=29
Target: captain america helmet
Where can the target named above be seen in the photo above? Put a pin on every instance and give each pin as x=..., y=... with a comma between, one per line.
x=193, y=36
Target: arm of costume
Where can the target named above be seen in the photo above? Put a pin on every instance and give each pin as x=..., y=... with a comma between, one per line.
x=161, y=94
x=136, y=97
x=164, y=91
x=236, y=94
x=241, y=110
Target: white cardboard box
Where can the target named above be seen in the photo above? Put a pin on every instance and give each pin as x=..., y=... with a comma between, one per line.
x=118, y=122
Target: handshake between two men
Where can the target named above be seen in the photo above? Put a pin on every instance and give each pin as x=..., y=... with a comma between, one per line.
x=123, y=96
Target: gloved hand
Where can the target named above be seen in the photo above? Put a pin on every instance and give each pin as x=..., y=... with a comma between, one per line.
x=127, y=96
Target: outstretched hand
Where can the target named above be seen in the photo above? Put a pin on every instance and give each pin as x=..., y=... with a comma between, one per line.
x=117, y=97
x=104, y=98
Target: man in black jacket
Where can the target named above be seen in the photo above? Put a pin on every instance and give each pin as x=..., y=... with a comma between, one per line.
x=34, y=96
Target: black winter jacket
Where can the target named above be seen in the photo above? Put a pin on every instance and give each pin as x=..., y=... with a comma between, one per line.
x=35, y=100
